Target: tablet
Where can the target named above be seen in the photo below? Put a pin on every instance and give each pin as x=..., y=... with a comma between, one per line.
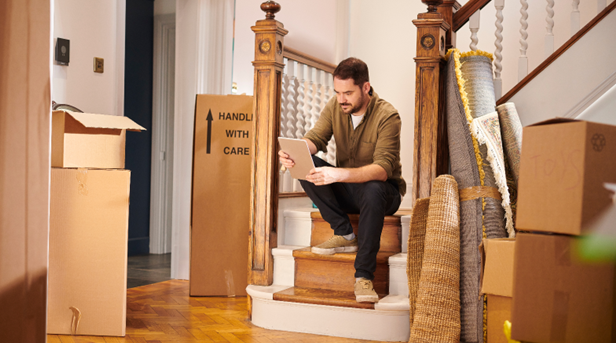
x=298, y=151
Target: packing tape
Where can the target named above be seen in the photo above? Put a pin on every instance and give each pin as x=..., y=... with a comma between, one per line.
x=560, y=310
x=75, y=320
x=230, y=283
x=476, y=192
x=82, y=179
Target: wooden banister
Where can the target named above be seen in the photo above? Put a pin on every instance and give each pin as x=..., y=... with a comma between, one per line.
x=268, y=65
x=430, y=151
x=308, y=60
x=464, y=13
x=513, y=91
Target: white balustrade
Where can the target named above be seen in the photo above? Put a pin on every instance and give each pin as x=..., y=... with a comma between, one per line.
x=549, y=36
x=318, y=99
x=523, y=60
x=498, y=56
x=575, y=17
x=474, y=26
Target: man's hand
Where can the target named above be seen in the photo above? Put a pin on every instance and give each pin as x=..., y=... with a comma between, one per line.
x=326, y=175
x=286, y=161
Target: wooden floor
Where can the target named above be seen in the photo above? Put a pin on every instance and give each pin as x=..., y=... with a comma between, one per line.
x=163, y=312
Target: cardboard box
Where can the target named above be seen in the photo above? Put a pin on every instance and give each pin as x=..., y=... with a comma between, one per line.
x=497, y=284
x=88, y=238
x=221, y=195
x=85, y=140
x=563, y=166
x=557, y=298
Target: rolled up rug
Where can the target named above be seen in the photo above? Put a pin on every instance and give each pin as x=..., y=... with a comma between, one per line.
x=481, y=211
x=436, y=316
x=511, y=132
x=417, y=235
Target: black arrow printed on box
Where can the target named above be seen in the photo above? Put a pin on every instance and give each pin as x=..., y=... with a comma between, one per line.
x=209, y=129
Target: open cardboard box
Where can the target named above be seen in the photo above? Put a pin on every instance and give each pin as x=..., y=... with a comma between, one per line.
x=558, y=298
x=497, y=284
x=85, y=140
x=563, y=167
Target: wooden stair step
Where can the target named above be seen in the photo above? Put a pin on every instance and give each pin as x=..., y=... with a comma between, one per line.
x=322, y=297
x=390, y=237
x=336, y=272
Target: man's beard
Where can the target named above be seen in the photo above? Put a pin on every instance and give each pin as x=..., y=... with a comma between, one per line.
x=355, y=108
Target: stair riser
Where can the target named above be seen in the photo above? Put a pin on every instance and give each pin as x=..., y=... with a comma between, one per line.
x=390, y=237
x=336, y=276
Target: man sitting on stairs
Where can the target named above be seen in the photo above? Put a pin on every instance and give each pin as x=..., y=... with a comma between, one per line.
x=368, y=177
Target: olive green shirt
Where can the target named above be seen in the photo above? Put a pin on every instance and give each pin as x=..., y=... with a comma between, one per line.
x=376, y=140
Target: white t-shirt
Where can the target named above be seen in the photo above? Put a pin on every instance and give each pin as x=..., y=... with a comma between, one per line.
x=357, y=120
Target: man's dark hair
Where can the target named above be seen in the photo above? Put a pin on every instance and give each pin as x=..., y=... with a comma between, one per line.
x=352, y=68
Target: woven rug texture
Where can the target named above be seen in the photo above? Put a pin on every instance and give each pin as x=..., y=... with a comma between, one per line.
x=417, y=235
x=437, y=307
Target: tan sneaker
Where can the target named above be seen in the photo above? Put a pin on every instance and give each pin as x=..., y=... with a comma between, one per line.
x=334, y=245
x=364, y=291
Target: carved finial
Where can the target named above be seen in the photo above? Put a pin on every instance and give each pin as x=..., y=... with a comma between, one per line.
x=270, y=8
x=432, y=4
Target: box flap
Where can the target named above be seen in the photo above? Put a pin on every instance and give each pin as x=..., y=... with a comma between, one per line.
x=557, y=120
x=104, y=121
x=497, y=266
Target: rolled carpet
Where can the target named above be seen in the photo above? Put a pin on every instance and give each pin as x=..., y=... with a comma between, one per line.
x=436, y=315
x=417, y=235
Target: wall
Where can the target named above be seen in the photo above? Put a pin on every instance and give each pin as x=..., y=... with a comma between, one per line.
x=312, y=29
x=384, y=37
x=603, y=110
x=95, y=28
x=162, y=7
x=25, y=100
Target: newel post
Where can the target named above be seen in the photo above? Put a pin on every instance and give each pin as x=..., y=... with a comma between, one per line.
x=430, y=153
x=268, y=65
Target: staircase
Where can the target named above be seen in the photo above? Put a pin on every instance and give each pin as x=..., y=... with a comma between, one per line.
x=314, y=293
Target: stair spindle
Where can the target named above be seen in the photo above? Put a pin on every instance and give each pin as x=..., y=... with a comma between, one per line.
x=523, y=61
x=318, y=99
x=549, y=36
x=309, y=99
x=575, y=17
x=291, y=100
x=301, y=94
x=498, y=56
x=474, y=26
x=284, y=99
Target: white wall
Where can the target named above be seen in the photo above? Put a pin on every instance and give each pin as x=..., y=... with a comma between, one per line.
x=312, y=29
x=603, y=110
x=95, y=28
x=384, y=37
x=162, y=7
x=536, y=32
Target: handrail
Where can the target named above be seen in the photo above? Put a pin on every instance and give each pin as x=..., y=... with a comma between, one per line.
x=513, y=91
x=465, y=12
x=296, y=55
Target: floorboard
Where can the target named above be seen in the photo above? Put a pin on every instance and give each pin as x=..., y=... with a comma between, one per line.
x=164, y=313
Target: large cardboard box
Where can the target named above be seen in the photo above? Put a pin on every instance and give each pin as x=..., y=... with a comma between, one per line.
x=557, y=298
x=563, y=166
x=221, y=195
x=85, y=140
x=88, y=238
x=497, y=284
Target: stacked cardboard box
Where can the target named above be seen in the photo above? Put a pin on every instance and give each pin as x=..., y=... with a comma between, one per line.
x=556, y=296
x=88, y=232
x=497, y=284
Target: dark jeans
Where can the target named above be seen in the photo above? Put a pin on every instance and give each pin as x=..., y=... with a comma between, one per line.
x=373, y=200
